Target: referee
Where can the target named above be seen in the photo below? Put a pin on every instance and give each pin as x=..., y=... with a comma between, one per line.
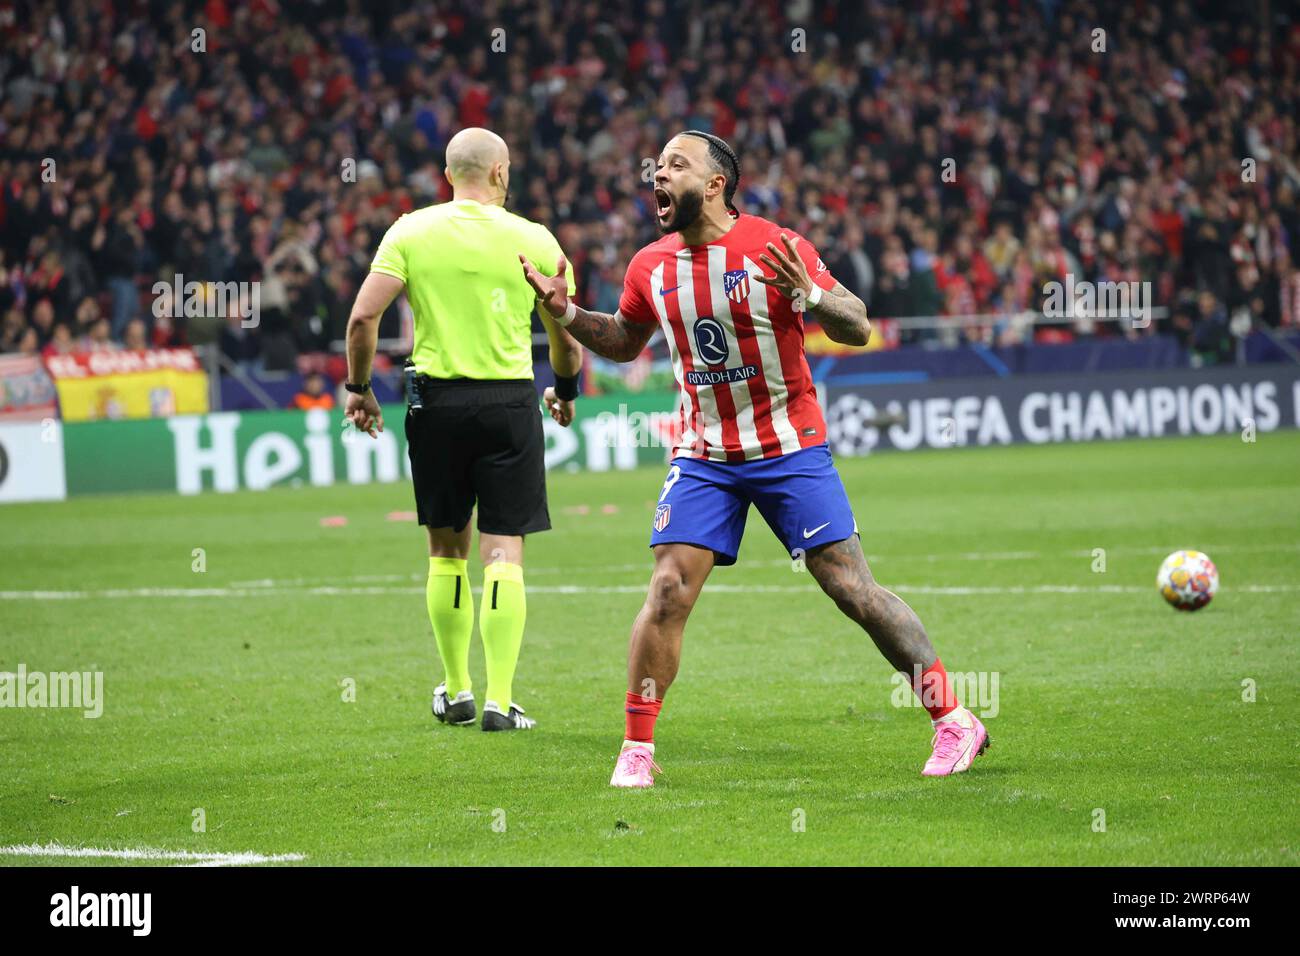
x=473, y=430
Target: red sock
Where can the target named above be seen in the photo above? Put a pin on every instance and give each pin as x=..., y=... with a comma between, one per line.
x=642, y=712
x=935, y=691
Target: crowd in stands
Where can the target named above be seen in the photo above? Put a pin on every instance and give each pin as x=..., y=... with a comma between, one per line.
x=946, y=157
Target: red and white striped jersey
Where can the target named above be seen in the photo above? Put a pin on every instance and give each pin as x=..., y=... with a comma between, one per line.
x=736, y=344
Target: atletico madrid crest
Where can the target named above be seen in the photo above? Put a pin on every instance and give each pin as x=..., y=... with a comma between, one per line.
x=736, y=284
x=662, y=515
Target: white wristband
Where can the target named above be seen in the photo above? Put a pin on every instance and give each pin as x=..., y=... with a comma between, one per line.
x=814, y=297
x=569, y=314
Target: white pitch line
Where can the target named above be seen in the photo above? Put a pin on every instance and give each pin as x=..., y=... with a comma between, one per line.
x=648, y=564
x=189, y=857
x=342, y=591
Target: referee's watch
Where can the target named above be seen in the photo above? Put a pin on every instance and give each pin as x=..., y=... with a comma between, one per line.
x=357, y=389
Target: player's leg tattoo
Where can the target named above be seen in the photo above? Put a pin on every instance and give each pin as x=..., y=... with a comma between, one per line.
x=841, y=570
x=656, y=646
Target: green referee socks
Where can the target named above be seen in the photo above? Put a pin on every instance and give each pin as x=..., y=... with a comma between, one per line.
x=502, y=625
x=451, y=612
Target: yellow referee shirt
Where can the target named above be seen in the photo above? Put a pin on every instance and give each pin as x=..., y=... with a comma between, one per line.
x=472, y=305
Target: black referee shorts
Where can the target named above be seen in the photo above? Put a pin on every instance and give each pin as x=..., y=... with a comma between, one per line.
x=479, y=442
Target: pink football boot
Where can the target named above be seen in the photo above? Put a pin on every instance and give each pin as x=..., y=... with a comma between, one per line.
x=959, y=738
x=636, y=766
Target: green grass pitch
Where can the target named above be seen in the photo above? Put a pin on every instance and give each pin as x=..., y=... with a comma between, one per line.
x=781, y=741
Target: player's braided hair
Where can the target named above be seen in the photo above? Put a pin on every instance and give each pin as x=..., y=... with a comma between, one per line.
x=725, y=158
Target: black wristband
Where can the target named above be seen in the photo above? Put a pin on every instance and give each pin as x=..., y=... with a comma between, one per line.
x=357, y=389
x=566, y=388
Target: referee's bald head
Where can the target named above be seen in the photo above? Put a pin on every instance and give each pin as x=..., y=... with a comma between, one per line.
x=478, y=160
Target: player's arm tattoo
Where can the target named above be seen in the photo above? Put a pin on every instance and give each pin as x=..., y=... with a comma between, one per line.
x=612, y=336
x=844, y=316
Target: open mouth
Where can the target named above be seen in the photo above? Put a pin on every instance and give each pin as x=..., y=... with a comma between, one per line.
x=663, y=203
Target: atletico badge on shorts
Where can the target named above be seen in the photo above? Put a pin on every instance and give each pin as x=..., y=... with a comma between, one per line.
x=736, y=284
x=662, y=515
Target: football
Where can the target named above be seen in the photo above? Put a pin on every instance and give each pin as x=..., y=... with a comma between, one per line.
x=1188, y=580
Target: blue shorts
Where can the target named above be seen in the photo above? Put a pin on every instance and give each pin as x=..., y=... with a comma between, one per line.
x=799, y=495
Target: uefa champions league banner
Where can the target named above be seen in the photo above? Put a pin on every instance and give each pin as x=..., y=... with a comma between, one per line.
x=1062, y=408
x=233, y=451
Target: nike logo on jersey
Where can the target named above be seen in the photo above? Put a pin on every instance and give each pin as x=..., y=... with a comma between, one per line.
x=808, y=534
x=666, y=291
